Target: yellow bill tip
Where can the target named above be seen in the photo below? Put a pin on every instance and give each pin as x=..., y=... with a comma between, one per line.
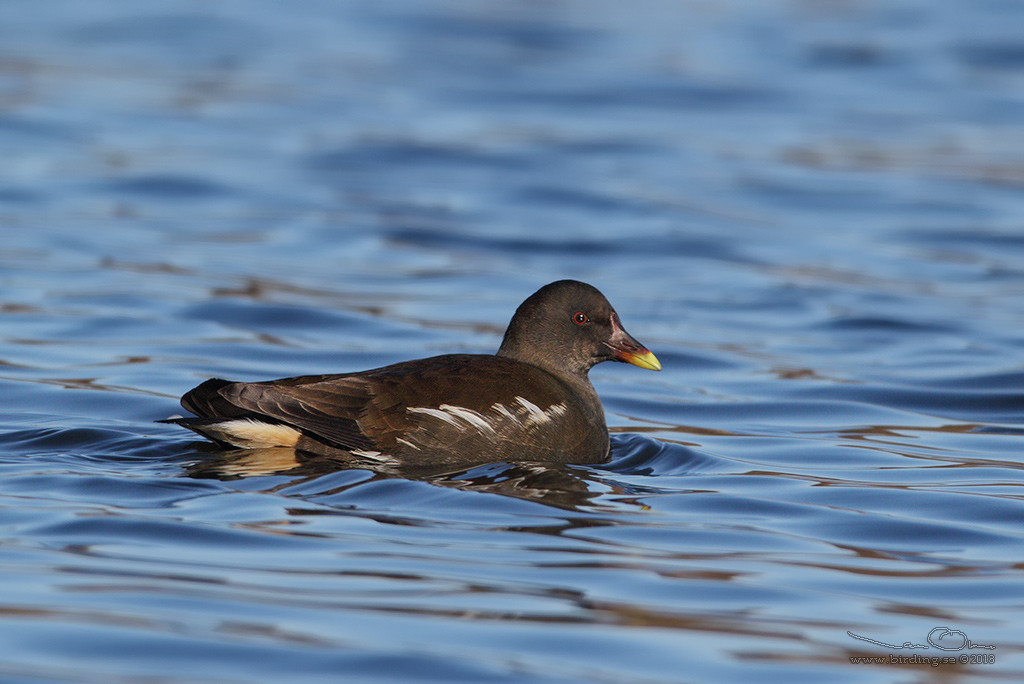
x=644, y=359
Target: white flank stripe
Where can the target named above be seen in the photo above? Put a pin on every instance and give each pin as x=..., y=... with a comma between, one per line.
x=374, y=456
x=505, y=413
x=437, y=413
x=523, y=414
x=557, y=409
x=535, y=415
x=457, y=416
x=469, y=415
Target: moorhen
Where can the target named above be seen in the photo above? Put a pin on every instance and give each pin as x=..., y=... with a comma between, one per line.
x=532, y=401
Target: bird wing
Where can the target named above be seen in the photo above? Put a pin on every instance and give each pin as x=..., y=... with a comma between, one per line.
x=327, y=407
x=420, y=406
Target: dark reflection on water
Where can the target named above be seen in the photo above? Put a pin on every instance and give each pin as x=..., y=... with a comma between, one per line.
x=556, y=485
x=548, y=484
x=809, y=211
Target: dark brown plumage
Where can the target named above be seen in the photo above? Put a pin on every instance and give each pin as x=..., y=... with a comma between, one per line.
x=532, y=401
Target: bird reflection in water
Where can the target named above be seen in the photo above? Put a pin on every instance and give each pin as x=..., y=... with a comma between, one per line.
x=557, y=485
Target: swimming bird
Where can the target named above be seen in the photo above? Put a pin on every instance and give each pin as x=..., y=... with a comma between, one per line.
x=531, y=401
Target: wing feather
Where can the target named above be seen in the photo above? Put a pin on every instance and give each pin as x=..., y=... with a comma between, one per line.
x=328, y=409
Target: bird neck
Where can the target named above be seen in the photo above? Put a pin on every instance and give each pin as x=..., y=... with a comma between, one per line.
x=576, y=378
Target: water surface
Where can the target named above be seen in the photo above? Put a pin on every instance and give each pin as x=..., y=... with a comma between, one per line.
x=811, y=212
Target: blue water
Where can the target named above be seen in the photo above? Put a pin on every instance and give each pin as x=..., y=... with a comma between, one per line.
x=811, y=212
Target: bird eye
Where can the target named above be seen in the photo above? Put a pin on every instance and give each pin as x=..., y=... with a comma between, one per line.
x=579, y=318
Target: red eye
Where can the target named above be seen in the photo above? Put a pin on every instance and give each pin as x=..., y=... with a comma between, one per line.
x=579, y=318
